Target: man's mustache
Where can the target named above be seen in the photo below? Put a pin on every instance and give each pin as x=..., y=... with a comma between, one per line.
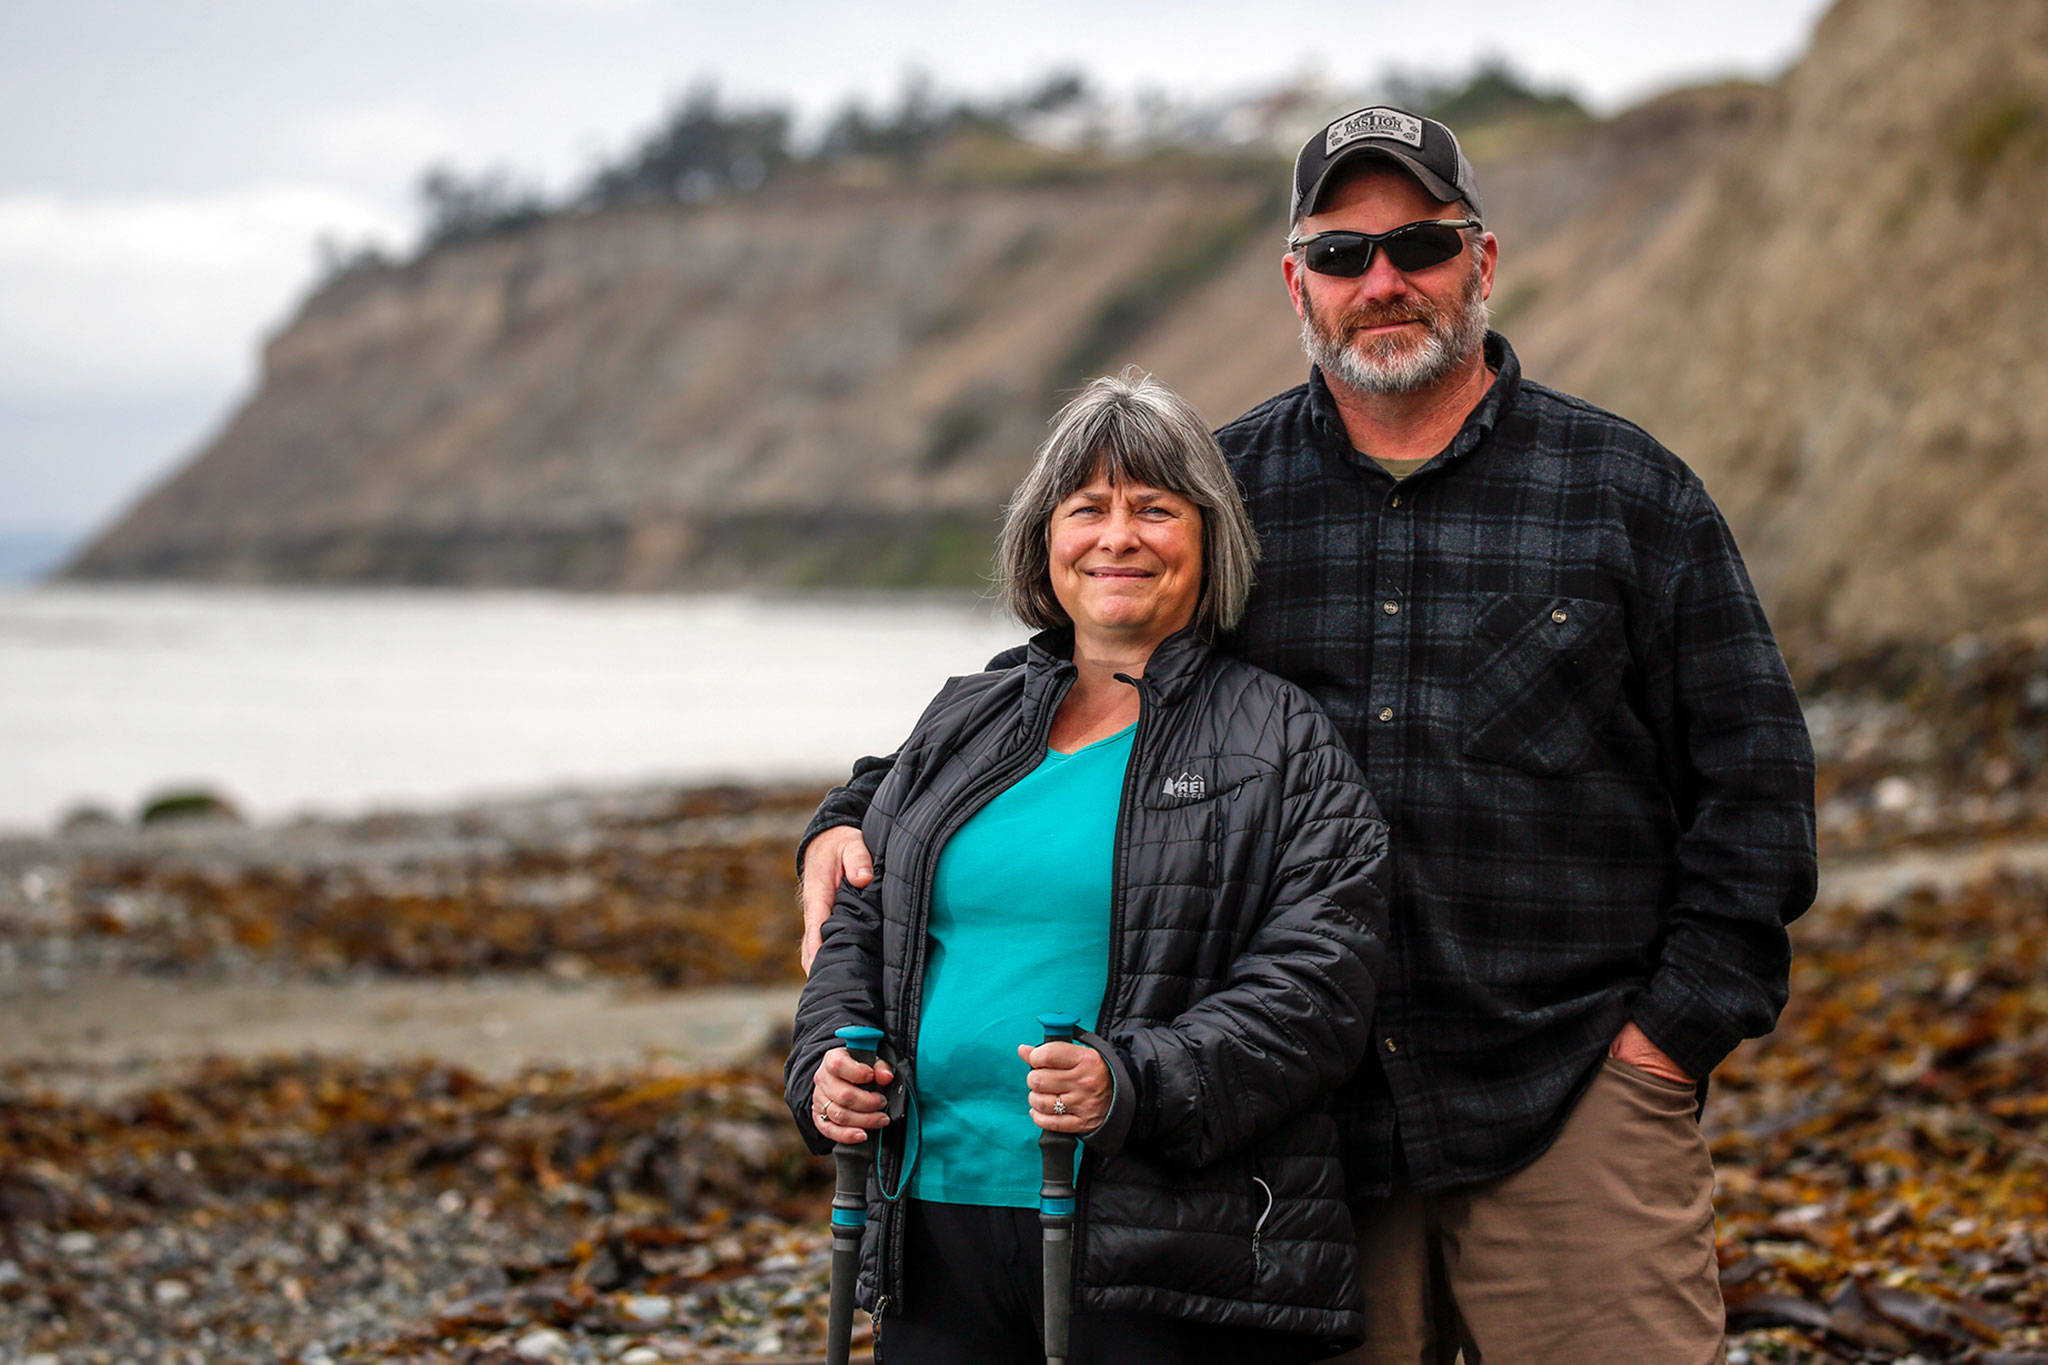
x=1385, y=315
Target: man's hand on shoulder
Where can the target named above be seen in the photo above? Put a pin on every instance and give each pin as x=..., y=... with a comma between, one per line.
x=835, y=855
x=1633, y=1046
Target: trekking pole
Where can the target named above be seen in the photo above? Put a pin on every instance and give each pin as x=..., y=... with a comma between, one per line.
x=850, y=1161
x=1056, y=1211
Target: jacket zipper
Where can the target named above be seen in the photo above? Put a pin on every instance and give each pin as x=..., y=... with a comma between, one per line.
x=1259, y=1227
x=1106, y=1016
x=911, y=1007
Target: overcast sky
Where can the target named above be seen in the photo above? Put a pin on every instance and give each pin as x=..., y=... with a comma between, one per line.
x=167, y=166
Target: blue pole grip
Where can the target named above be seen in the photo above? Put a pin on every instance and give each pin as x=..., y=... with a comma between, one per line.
x=862, y=1042
x=1059, y=1028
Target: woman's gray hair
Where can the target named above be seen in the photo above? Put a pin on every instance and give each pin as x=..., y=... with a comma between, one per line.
x=1137, y=431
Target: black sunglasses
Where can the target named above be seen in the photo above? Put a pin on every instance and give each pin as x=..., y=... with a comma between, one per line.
x=1412, y=246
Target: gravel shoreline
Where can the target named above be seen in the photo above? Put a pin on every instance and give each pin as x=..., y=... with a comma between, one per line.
x=502, y=1084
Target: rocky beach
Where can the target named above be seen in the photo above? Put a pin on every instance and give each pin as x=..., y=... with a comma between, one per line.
x=493, y=1084
x=501, y=1083
x=551, y=563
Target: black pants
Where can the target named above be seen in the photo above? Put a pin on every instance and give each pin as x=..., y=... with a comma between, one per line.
x=976, y=1296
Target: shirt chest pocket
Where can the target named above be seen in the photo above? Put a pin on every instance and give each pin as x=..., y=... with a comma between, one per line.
x=1544, y=678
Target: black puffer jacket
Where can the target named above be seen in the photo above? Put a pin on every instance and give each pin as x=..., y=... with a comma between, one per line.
x=1246, y=936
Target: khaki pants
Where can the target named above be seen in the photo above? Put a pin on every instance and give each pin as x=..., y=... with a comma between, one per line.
x=1602, y=1250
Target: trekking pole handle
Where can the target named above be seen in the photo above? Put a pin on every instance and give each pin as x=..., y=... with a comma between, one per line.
x=862, y=1042
x=850, y=1163
x=1056, y=1210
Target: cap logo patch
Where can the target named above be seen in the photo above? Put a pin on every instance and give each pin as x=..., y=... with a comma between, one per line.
x=1390, y=124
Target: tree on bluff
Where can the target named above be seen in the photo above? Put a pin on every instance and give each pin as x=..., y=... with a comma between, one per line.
x=1492, y=93
x=461, y=209
x=700, y=151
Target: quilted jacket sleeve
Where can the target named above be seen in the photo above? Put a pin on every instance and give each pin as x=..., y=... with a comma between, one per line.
x=845, y=984
x=844, y=987
x=1293, y=1019
x=845, y=804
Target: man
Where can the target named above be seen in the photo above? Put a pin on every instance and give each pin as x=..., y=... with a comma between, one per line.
x=1532, y=627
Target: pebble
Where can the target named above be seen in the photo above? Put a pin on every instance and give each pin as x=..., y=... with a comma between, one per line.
x=330, y=1241
x=543, y=1343
x=568, y=967
x=10, y=1274
x=640, y=1355
x=649, y=1310
x=78, y=1243
x=170, y=1293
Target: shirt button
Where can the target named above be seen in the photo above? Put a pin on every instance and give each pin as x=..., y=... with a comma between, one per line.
x=1391, y=608
x=1559, y=616
x=1386, y=713
x=1392, y=1046
x=1394, y=501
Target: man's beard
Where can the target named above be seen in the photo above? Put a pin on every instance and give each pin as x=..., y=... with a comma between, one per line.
x=1396, y=363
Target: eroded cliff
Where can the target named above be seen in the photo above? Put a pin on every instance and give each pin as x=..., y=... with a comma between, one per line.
x=1826, y=294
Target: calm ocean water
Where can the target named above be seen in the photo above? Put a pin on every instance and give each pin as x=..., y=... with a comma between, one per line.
x=289, y=701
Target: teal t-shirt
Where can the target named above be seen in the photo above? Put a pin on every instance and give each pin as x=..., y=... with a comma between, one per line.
x=1019, y=927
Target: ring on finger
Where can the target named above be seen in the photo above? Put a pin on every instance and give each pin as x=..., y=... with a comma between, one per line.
x=1059, y=1106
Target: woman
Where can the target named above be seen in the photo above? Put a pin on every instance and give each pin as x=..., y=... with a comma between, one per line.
x=1174, y=846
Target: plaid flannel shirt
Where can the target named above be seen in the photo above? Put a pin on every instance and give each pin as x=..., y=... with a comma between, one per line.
x=1545, y=652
